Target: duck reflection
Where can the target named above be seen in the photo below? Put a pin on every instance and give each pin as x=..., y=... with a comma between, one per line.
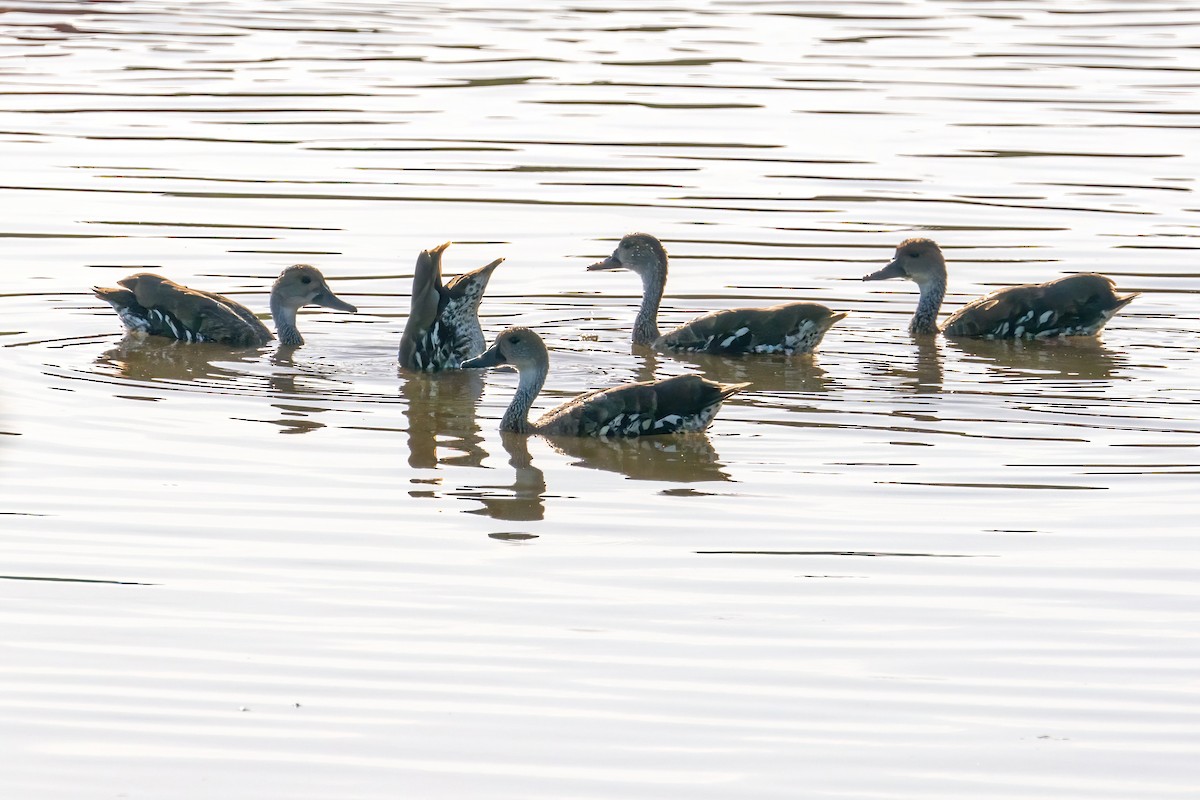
x=521, y=501
x=155, y=358
x=927, y=373
x=441, y=411
x=767, y=373
x=681, y=458
x=305, y=378
x=1072, y=357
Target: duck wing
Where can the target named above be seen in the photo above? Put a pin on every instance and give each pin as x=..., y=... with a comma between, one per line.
x=416, y=351
x=255, y=328
x=443, y=324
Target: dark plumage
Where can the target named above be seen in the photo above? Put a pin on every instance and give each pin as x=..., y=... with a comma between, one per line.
x=675, y=405
x=1075, y=305
x=789, y=328
x=154, y=305
x=443, y=324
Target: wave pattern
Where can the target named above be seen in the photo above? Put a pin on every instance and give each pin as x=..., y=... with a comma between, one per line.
x=892, y=569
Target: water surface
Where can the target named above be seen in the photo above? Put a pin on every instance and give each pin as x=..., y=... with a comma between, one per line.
x=891, y=569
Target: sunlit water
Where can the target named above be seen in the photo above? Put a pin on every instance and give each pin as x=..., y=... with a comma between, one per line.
x=891, y=570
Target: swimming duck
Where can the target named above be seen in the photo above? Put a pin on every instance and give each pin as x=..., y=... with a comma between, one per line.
x=1075, y=305
x=152, y=304
x=681, y=404
x=443, y=325
x=788, y=328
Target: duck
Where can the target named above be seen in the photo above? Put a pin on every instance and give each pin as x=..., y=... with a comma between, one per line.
x=681, y=404
x=1074, y=305
x=151, y=304
x=443, y=325
x=787, y=328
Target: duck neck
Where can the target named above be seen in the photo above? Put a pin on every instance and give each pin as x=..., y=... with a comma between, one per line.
x=516, y=418
x=924, y=322
x=285, y=323
x=645, y=327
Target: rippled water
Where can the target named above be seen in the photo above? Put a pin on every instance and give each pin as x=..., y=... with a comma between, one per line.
x=892, y=569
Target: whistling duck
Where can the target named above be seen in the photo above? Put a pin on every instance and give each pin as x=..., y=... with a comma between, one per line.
x=789, y=328
x=150, y=303
x=1075, y=305
x=681, y=404
x=443, y=325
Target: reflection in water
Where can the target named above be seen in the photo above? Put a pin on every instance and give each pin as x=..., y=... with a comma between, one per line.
x=263, y=133
x=682, y=458
x=154, y=358
x=209, y=368
x=441, y=410
x=1073, y=357
x=922, y=373
x=767, y=373
x=523, y=499
x=926, y=374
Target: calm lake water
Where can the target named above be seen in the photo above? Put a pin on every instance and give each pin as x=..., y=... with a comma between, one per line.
x=893, y=569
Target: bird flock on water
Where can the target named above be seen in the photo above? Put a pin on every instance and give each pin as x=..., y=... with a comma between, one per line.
x=443, y=331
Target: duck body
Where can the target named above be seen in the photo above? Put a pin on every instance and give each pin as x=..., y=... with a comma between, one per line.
x=682, y=404
x=1074, y=305
x=788, y=328
x=154, y=305
x=443, y=325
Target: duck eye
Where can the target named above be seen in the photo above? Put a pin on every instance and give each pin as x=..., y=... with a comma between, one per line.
x=306, y=279
x=514, y=340
x=914, y=253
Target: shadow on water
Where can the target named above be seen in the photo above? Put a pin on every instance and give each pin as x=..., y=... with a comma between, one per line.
x=523, y=500
x=686, y=458
x=767, y=373
x=157, y=359
x=441, y=412
x=921, y=370
x=683, y=458
x=918, y=370
x=154, y=365
x=1083, y=358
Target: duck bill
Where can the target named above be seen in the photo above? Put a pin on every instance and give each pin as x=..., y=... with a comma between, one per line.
x=330, y=300
x=892, y=270
x=612, y=262
x=488, y=358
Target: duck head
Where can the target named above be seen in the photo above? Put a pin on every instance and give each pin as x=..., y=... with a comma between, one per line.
x=637, y=252
x=303, y=285
x=520, y=347
x=918, y=260
x=297, y=286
